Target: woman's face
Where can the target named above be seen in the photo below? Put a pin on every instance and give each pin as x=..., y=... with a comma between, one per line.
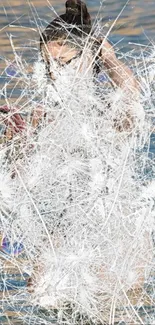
x=61, y=51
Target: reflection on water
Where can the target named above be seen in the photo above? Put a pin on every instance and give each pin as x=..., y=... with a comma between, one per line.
x=20, y=24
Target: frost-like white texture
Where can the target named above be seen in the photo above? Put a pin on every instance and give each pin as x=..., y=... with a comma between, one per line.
x=79, y=198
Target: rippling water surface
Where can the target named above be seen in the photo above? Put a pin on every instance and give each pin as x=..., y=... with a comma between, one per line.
x=22, y=21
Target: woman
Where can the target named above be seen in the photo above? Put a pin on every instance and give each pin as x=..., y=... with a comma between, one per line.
x=70, y=37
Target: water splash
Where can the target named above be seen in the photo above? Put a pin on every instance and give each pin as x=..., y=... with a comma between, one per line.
x=76, y=190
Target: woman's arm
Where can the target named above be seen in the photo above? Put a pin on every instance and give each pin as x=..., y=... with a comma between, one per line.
x=118, y=72
x=130, y=113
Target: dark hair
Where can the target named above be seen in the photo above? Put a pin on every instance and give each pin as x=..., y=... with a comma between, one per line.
x=75, y=22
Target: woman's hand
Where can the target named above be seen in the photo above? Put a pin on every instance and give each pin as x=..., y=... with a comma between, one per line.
x=12, y=121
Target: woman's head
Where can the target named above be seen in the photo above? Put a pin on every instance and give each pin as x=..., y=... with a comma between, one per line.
x=65, y=36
